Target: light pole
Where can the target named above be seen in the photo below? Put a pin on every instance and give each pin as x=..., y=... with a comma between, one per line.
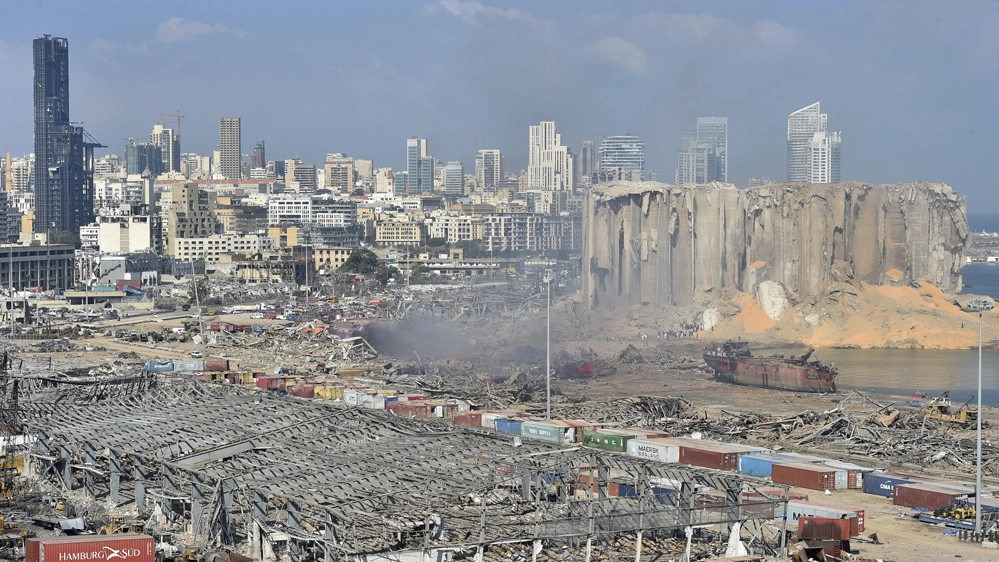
x=548, y=348
x=979, y=306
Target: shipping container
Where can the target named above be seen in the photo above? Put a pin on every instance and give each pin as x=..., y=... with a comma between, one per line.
x=545, y=431
x=811, y=476
x=883, y=483
x=796, y=509
x=927, y=496
x=329, y=392
x=468, y=419
x=597, y=438
x=159, y=366
x=811, y=528
x=216, y=365
x=128, y=547
x=855, y=473
x=189, y=365
x=302, y=390
x=709, y=455
x=654, y=449
x=489, y=418
x=637, y=433
x=509, y=426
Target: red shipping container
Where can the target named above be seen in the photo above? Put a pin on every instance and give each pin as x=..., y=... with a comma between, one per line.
x=122, y=283
x=262, y=382
x=811, y=476
x=217, y=365
x=810, y=528
x=468, y=419
x=798, y=509
x=302, y=390
x=926, y=496
x=708, y=456
x=126, y=547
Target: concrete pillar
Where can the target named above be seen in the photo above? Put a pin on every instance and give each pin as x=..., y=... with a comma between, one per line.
x=294, y=514
x=67, y=469
x=114, y=462
x=197, y=505
x=140, y=484
x=259, y=504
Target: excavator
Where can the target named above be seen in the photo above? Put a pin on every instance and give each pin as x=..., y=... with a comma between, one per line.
x=940, y=409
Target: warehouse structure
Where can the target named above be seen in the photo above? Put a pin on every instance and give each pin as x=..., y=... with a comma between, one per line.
x=270, y=475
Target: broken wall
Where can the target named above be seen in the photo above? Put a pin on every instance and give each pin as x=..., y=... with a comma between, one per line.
x=663, y=245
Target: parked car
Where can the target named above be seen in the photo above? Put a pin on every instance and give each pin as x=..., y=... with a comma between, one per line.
x=196, y=354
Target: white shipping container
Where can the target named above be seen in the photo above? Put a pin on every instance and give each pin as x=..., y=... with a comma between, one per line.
x=653, y=449
x=378, y=402
x=489, y=420
x=350, y=396
x=797, y=509
x=842, y=480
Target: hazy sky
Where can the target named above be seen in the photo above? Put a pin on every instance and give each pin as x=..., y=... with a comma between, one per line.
x=911, y=85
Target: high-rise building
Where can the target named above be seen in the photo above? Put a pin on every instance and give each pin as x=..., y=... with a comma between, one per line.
x=64, y=175
x=549, y=164
x=823, y=158
x=299, y=176
x=802, y=127
x=140, y=157
x=713, y=132
x=169, y=144
x=586, y=162
x=624, y=152
x=488, y=168
x=703, y=156
x=229, y=148
x=258, y=159
x=454, y=178
x=339, y=172
x=419, y=168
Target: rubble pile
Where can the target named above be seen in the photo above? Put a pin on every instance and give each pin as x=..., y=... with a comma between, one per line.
x=665, y=547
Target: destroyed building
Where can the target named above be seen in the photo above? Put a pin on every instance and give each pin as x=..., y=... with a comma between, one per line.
x=665, y=245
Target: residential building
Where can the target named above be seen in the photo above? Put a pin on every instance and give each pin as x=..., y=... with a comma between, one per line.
x=454, y=179
x=488, y=168
x=419, y=168
x=518, y=232
x=339, y=172
x=169, y=145
x=330, y=259
x=549, y=162
x=191, y=213
x=129, y=228
x=289, y=210
x=625, y=152
x=713, y=132
x=20, y=175
x=456, y=228
x=400, y=232
x=258, y=159
x=299, y=177
x=230, y=148
x=211, y=249
x=562, y=232
x=802, y=128
x=824, y=158
x=107, y=166
x=696, y=164
x=364, y=170
x=64, y=188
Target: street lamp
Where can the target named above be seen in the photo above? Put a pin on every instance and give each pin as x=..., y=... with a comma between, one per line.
x=548, y=348
x=980, y=306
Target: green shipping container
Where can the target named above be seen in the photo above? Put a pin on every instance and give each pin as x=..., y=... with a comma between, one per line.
x=606, y=441
x=542, y=431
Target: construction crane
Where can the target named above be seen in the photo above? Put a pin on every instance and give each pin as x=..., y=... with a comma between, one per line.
x=176, y=118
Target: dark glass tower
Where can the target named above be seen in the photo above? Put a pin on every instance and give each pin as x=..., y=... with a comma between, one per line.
x=64, y=154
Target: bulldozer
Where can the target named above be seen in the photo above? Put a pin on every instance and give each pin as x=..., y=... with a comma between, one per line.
x=941, y=409
x=118, y=525
x=956, y=511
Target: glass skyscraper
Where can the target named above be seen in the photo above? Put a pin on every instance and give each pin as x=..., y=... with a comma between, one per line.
x=64, y=154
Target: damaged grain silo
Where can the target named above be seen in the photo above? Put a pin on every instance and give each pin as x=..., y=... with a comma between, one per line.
x=655, y=244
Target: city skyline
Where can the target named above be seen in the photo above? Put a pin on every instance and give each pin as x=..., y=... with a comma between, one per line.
x=899, y=97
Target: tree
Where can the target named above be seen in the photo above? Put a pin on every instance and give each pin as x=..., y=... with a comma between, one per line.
x=64, y=237
x=357, y=192
x=199, y=284
x=386, y=272
x=362, y=261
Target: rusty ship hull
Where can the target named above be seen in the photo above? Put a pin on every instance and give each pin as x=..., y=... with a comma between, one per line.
x=734, y=364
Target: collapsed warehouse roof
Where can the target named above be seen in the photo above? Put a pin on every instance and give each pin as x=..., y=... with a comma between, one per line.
x=261, y=473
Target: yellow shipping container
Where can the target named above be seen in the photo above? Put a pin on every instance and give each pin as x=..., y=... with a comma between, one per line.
x=388, y=392
x=329, y=392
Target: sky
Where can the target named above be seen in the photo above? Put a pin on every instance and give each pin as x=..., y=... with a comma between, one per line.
x=910, y=84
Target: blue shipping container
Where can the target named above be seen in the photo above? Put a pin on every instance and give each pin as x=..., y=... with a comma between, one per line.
x=159, y=366
x=882, y=484
x=758, y=465
x=511, y=427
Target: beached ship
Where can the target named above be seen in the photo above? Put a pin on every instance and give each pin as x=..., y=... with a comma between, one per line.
x=733, y=362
